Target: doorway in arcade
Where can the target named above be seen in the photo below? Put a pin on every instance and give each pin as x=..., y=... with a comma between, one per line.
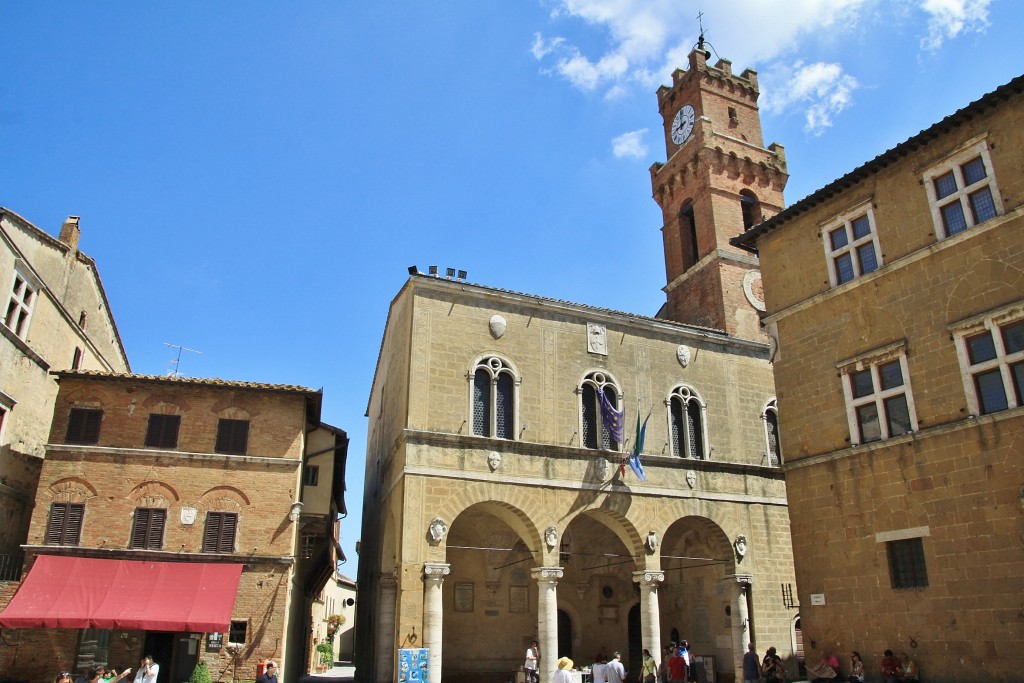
x=491, y=591
x=176, y=653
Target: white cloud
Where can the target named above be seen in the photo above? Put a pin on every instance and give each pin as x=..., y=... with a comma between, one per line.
x=823, y=89
x=950, y=18
x=630, y=145
x=640, y=42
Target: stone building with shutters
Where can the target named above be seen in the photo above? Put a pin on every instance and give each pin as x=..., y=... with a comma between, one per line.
x=498, y=505
x=177, y=517
x=55, y=316
x=896, y=295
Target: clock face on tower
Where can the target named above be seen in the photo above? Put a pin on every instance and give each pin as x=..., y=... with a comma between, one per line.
x=682, y=124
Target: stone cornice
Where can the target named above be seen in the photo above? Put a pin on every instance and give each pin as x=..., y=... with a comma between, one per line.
x=158, y=555
x=71, y=453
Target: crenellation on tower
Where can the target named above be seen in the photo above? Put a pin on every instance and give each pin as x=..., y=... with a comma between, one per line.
x=718, y=180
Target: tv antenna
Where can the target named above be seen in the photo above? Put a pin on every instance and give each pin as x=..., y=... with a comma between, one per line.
x=176, y=372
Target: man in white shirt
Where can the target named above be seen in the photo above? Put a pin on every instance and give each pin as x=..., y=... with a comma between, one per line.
x=616, y=672
x=148, y=670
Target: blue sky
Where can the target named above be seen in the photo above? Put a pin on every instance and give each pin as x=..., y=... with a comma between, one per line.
x=254, y=178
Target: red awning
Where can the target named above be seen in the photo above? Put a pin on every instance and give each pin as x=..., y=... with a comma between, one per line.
x=80, y=592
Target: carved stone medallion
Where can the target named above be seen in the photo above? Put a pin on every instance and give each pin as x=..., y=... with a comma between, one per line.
x=497, y=326
x=684, y=355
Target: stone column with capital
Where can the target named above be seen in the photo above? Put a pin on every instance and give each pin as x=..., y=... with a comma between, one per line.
x=433, y=615
x=547, y=618
x=385, y=637
x=743, y=582
x=650, y=612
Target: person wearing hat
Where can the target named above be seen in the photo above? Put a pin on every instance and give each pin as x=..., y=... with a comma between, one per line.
x=616, y=672
x=270, y=675
x=562, y=675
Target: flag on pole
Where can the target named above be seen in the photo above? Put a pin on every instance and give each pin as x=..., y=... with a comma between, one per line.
x=613, y=419
x=638, y=447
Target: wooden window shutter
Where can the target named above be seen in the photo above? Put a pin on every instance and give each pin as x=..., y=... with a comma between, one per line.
x=226, y=543
x=212, y=532
x=162, y=431
x=139, y=527
x=65, y=524
x=55, y=527
x=232, y=436
x=158, y=518
x=84, y=426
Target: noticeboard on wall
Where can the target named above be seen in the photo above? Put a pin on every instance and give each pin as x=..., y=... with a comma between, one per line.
x=413, y=665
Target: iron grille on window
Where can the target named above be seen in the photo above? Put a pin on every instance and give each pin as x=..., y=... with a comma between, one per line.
x=787, y=596
x=503, y=407
x=148, y=528
x=685, y=411
x=493, y=399
x=84, y=426
x=236, y=634
x=163, y=431
x=481, y=402
x=232, y=437
x=65, y=524
x=771, y=424
x=594, y=431
x=906, y=563
x=219, y=535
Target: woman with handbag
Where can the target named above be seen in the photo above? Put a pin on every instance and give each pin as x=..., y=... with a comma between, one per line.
x=649, y=670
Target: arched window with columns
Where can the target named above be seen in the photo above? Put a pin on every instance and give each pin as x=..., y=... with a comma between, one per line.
x=595, y=435
x=494, y=385
x=770, y=416
x=687, y=423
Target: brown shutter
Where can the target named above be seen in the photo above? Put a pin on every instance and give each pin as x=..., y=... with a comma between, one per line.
x=73, y=524
x=139, y=527
x=158, y=518
x=227, y=533
x=212, y=532
x=55, y=527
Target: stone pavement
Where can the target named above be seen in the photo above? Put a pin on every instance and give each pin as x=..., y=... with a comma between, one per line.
x=342, y=672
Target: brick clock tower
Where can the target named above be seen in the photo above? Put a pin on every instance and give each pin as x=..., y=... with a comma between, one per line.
x=718, y=181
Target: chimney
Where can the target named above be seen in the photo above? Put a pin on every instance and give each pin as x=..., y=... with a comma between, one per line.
x=69, y=232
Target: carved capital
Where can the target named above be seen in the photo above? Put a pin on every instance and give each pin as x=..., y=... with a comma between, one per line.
x=436, y=571
x=547, y=574
x=649, y=577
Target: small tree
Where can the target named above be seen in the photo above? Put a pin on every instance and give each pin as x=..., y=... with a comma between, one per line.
x=200, y=674
x=326, y=650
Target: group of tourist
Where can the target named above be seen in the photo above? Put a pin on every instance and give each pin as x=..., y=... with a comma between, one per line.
x=900, y=669
x=147, y=673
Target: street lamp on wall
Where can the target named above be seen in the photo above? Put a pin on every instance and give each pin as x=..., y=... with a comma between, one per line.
x=295, y=512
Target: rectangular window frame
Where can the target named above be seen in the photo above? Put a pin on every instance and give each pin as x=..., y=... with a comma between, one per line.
x=908, y=568
x=992, y=322
x=148, y=526
x=162, y=431
x=64, y=524
x=853, y=244
x=220, y=532
x=232, y=437
x=238, y=631
x=872, y=361
x=23, y=294
x=954, y=163
x=84, y=426
x=311, y=475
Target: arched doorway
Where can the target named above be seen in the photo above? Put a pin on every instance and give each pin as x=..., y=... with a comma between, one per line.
x=700, y=589
x=565, y=636
x=490, y=597
x=634, y=657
